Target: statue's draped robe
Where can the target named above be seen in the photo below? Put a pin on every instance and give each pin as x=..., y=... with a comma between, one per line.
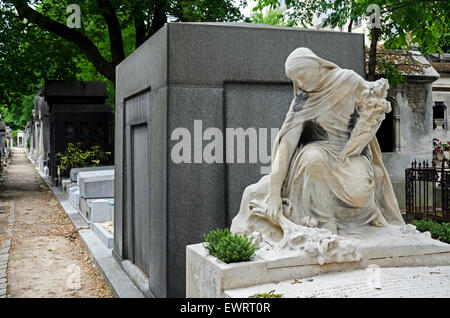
x=338, y=112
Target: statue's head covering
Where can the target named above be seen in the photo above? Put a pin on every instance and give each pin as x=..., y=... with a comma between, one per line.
x=307, y=70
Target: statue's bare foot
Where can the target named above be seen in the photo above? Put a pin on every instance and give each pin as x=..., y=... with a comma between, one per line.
x=379, y=221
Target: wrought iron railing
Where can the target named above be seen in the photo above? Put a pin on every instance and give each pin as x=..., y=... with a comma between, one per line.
x=428, y=191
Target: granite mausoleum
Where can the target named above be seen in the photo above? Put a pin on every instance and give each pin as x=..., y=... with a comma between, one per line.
x=441, y=95
x=77, y=113
x=226, y=76
x=21, y=136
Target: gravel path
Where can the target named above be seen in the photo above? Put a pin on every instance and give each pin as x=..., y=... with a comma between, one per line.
x=47, y=258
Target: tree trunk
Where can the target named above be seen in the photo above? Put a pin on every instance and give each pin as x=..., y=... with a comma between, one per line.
x=375, y=33
x=114, y=31
x=108, y=69
x=350, y=25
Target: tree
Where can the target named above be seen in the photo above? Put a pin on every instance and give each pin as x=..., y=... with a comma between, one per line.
x=36, y=45
x=107, y=19
x=271, y=16
x=425, y=22
x=27, y=56
x=17, y=116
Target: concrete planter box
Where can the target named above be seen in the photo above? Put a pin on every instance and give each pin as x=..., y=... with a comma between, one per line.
x=104, y=236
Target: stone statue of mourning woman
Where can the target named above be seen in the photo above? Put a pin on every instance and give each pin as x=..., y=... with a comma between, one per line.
x=327, y=175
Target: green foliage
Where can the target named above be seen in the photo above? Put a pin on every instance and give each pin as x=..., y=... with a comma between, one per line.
x=14, y=136
x=205, y=10
x=29, y=54
x=76, y=156
x=271, y=16
x=391, y=72
x=17, y=115
x=229, y=247
x=437, y=230
x=270, y=294
x=402, y=22
x=213, y=238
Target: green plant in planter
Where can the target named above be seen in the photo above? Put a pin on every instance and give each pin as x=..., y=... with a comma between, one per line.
x=76, y=156
x=229, y=247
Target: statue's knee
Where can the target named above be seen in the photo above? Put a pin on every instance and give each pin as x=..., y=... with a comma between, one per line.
x=313, y=152
x=314, y=158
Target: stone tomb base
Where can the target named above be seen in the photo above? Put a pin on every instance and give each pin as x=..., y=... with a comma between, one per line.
x=392, y=246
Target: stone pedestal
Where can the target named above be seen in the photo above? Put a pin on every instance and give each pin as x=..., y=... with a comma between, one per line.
x=393, y=246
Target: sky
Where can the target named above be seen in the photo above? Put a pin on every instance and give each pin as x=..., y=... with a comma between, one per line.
x=247, y=11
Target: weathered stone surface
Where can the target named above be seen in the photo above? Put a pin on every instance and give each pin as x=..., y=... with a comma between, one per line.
x=101, y=211
x=104, y=236
x=74, y=171
x=74, y=195
x=85, y=208
x=209, y=277
x=70, y=186
x=97, y=187
x=371, y=282
x=94, y=173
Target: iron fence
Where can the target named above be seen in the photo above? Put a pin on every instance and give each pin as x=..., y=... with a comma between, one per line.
x=428, y=191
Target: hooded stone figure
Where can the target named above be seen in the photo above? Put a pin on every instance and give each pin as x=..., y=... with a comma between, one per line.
x=327, y=169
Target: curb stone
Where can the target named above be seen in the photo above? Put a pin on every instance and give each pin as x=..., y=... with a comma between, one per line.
x=4, y=253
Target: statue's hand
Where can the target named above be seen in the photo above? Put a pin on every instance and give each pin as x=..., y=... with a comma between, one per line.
x=274, y=208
